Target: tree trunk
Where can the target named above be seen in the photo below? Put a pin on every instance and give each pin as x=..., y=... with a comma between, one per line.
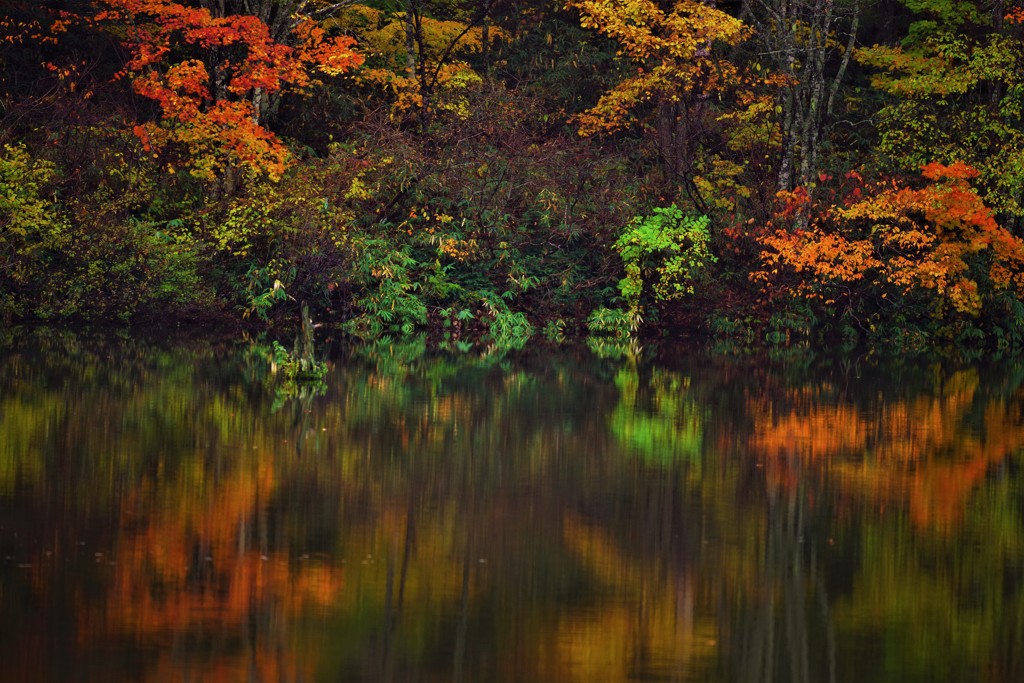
x=797, y=33
x=410, y=40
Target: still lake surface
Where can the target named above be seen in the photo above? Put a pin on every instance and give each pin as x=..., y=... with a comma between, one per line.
x=168, y=514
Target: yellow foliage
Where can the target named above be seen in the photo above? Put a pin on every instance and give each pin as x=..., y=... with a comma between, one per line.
x=721, y=183
x=383, y=38
x=673, y=53
x=458, y=250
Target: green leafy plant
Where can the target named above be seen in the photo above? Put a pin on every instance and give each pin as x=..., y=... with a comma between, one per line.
x=610, y=322
x=391, y=300
x=791, y=323
x=263, y=290
x=554, y=331
x=666, y=255
x=506, y=329
x=295, y=373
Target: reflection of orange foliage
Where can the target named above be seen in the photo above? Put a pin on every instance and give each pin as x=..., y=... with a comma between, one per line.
x=827, y=429
x=916, y=450
x=190, y=566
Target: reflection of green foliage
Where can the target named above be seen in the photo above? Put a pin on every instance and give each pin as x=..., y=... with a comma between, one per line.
x=613, y=349
x=290, y=373
x=56, y=378
x=554, y=331
x=392, y=356
x=22, y=426
x=660, y=421
x=933, y=628
x=611, y=334
x=944, y=612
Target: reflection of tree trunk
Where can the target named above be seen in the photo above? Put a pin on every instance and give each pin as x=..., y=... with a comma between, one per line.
x=662, y=532
x=459, y=656
x=410, y=534
x=830, y=631
x=791, y=564
x=390, y=620
x=392, y=604
x=762, y=649
x=757, y=646
x=473, y=479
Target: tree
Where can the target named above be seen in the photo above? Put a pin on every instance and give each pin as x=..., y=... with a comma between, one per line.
x=215, y=75
x=940, y=242
x=421, y=60
x=31, y=226
x=677, y=69
x=799, y=39
x=954, y=92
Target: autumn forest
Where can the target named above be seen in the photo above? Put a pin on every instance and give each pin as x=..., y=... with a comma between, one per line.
x=491, y=171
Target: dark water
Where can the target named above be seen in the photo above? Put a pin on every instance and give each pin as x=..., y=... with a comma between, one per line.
x=168, y=514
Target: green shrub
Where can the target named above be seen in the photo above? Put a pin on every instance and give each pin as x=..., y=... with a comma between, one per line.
x=610, y=322
x=665, y=255
x=33, y=231
x=506, y=329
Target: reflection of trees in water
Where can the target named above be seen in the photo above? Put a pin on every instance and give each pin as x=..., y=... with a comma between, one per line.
x=551, y=553
x=782, y=628
x=902, y=481
x=540, y=521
